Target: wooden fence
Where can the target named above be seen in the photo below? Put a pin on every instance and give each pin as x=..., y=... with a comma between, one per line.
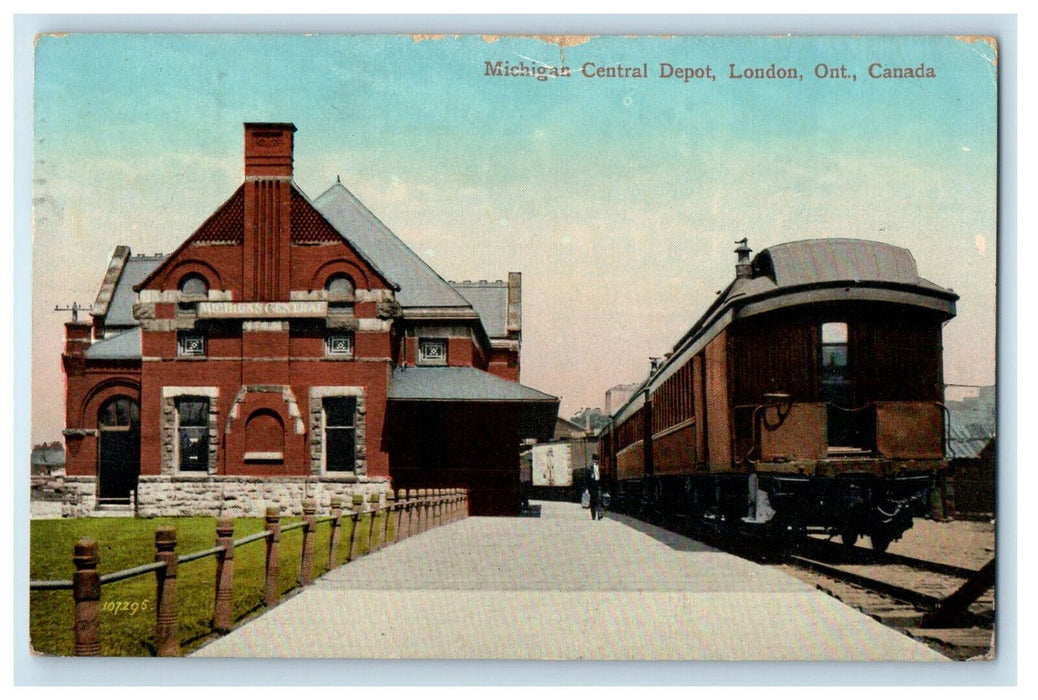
x=403, y=515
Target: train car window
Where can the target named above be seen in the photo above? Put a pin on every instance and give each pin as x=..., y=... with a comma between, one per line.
x=834, y=352
x=834, y=333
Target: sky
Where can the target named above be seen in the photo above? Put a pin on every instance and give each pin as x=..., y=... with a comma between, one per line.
x=619, y=199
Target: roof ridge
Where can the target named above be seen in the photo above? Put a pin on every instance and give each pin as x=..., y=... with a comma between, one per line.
x=363, y=256
x=332, y=192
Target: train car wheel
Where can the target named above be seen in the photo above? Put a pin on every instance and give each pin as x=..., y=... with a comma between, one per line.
x=849, y=537
x=880, y=541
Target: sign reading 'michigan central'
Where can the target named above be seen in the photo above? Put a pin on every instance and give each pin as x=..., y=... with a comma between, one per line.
x=262, y=309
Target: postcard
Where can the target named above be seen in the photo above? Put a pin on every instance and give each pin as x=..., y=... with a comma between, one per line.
x=466, y=347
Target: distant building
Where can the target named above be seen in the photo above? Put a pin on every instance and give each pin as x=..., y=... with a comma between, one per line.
x=618, y=396
x=556, y=469
x=971, y=453
x=568, y=430
x=293, y=346
x=47, y=459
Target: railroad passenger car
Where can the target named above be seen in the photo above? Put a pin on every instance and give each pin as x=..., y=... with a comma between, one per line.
x=808, y=396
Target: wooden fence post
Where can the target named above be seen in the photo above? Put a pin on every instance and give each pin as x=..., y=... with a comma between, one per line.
x=373, y=500
x=401, y=507
x=333, y=543
x=222, y=612
x=423, y=510
x=86, y=592
x=272, y=519
x=412, y=512
x=358, y=508
x=390, y=507
x=306, y=566
x=167, y=638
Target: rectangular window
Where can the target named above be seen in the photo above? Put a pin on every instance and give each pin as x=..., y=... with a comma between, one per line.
x=432, y=351
x=340, y=433
x=190, y=345
x=834, y=353
x=193, y=433
x=338, y=345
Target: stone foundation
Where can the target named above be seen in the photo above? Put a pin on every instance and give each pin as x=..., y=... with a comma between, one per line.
x=235, y=496
x=78, y=496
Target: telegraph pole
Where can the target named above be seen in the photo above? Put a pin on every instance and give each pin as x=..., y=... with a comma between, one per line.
x=75, y=309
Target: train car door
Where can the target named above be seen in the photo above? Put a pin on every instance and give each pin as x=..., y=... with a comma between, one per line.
x=846, y=420
x=119, y=448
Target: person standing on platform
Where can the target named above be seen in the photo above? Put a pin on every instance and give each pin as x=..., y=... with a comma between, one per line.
x=594, y=489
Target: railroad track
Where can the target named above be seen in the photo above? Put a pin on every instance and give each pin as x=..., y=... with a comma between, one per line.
x=949, y=608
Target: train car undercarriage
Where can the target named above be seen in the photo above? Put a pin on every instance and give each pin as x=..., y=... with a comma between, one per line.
x=785, y=506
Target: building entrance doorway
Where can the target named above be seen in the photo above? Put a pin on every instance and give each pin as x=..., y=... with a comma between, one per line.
x=119, y=461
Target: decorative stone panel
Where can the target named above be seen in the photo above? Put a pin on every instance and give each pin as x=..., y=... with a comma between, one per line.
x=287, y=395
x=168, y=425
x=359, y=295
x=374, y=325
x=317, y=396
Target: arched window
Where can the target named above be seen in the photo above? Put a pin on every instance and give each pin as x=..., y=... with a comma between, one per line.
x=194, y=285
x=339, y=287
x=119, y=413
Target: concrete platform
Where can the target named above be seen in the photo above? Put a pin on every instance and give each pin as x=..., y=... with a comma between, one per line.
x=561, y=586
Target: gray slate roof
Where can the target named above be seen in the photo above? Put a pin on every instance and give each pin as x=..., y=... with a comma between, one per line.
x=420, y=286
x=490, y=300
x=537, y=410
x=967, y=441
x=120, y=310
x=458, y=384
x=125, y=346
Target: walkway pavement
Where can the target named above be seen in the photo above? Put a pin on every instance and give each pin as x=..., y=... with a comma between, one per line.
x=562, y=586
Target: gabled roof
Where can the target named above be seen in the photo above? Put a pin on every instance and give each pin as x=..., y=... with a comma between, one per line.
x=490, y=300
x=120, y=309
x=568, y=429
x=226, y=225
x=420, y=286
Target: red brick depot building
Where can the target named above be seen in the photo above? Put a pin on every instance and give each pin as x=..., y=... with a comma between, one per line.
x=293, y=346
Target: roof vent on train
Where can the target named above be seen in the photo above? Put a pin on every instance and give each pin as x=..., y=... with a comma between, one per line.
x=742, y=265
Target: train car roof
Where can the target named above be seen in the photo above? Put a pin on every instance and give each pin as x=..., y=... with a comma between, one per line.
x=805, y=272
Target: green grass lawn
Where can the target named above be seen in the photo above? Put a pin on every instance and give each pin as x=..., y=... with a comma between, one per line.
x=127, y=616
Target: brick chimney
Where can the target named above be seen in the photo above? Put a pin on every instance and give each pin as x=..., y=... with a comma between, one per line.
x=77, y=340
x=268, y=149
x=742, y=265
x=268, y=211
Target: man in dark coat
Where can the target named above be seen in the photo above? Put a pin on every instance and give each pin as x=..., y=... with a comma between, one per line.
x=594, y=490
